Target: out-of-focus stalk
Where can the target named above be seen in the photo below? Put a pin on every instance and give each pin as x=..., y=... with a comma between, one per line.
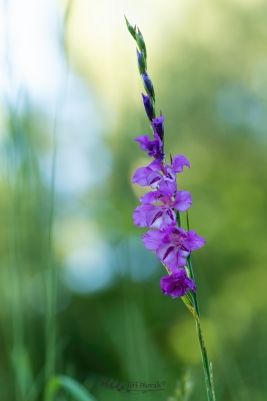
x=50, y=290
x=13, y=155
x=51, y=275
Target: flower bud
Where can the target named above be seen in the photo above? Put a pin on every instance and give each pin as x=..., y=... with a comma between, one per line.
x=149, y=108
x=140, y=42
x=141, y=62
x=130, y=28
x=148, y=85
x=158, y=126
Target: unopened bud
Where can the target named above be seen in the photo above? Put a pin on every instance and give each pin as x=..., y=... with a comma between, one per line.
x=148, y=85
x=148, y=105
x=140, y=42
x=130, y=28
x=141, y=62
x=158, y=126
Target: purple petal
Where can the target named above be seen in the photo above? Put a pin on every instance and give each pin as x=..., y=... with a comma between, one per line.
x=155, y=150
x=143, y=140
x=153, y=196
x=170, y=255
x=194, y=241
x=140, y=215
x=168, y=219
x=181, y=259
x=156, y=165
x=158, y=138
x=179, y=231
x=160, y=217
x=153, y=179
x=154, y=147
x=182, y=201
x=153, y=239
x=166, y=252
x=168, y=187
x=140, y=176
x=177, y=284
x=158, y=126
x=148, y=106
x=178, y=163
x=169, y=174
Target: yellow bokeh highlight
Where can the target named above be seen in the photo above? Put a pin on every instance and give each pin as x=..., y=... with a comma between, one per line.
x=183, y=339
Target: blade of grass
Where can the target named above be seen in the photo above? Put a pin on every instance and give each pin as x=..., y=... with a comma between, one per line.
x=70, y=386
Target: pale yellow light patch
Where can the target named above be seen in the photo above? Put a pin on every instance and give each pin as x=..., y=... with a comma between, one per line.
x=242, y=293
x=249, y=4
x=200, y=157
x=259, y=78
x=74, y=233
x=183, y=339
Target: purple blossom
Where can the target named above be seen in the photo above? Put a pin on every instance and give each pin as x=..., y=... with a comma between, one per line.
x=173, y=245
x=154, y=148
x=161, y=216
x=148, y=106
x=158, y=126
x=177, y=284
x=156, y=173
x=151, y=216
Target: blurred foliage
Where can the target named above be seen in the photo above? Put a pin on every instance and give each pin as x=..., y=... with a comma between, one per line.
x=210, y=80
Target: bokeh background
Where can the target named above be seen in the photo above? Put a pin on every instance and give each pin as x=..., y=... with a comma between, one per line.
x=79, y=293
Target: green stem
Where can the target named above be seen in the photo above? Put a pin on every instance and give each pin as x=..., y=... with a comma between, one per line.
x=205, y=362
x=196, y=314
x=16, y=278
x=178, y=219
x=191, y=271
x=189, y=302
x=17, y=313
x=51, y=287
x=51, y=277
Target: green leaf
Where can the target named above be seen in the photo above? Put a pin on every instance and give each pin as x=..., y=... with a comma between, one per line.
x=70, y=386
x=23, y=370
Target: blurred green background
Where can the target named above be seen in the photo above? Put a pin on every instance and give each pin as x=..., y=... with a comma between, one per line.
x=79, y=293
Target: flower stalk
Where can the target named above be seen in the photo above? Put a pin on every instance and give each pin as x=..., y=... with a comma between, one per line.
x=161, y=210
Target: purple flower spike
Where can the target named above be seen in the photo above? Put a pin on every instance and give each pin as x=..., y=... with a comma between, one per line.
x=158, y=126
x=154, y=148
x=148, y=106
x=177, y=284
